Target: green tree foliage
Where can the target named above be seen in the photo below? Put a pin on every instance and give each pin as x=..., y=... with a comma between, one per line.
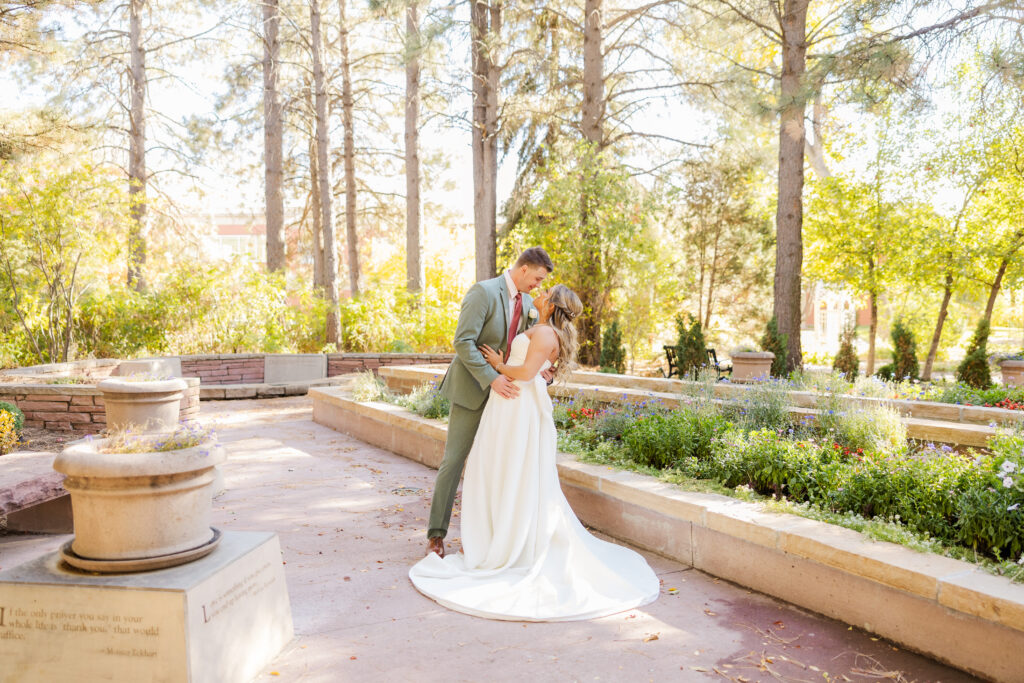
x=846, y=361
x=613, y=354
x=59, y=225
x=691, y=347
x=615, y=232
x=904, y=352
x=974, y=370
x=775, y=342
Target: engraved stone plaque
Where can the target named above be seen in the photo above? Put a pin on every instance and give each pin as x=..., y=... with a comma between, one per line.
x=219, y=619
x=281, y=368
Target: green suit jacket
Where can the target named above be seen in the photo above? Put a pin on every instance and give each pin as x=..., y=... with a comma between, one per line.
x=483, y=319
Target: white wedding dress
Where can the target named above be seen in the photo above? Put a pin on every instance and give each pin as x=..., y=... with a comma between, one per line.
x=525, y=555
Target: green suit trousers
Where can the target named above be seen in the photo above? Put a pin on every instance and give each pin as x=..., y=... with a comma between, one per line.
x=462, y=426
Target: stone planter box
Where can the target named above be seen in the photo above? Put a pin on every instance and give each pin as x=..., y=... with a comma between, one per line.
x=152, y=405
x=135, y=506
x=751, y=366
x=947, y=609
x=1013, y=372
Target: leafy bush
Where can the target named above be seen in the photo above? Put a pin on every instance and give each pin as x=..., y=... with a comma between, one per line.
x=767, y=463
x=904, y=352
x=367, y=386
x=426, y=401
x=8, y=432
x=778, y=344
x=764, y=406
x=16, y=414
x=973, y=370
x=664, y=440
x=846, y=361
x=691, y=348
x=613, y=354
x=886, y=372
x=856, y=427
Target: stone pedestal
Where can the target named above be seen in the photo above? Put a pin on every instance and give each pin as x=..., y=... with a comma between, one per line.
x=220, y=619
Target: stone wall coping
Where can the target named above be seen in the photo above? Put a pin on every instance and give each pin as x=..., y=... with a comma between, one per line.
x=58, y=368
x=964, y=591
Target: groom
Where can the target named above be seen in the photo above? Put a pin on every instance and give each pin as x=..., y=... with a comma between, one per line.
x=493, y=312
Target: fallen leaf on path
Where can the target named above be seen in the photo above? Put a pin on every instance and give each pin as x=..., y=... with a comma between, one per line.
x=651, y=636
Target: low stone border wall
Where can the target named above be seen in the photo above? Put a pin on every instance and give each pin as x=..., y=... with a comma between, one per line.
x=944, y=608
x=934, y=430
x=76, y=408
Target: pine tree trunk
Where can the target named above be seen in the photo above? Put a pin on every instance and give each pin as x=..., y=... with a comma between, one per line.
x=137, y=149
x=485, y=26
x=413, y=251
x=317, y=223
x=591, y=120
x=347, y=105
x=872, y=333
x=789, y=216
x=933, y=348
x=272, y=138
x=333, y=335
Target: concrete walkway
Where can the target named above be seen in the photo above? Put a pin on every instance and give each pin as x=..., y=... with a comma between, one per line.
x=351, y=519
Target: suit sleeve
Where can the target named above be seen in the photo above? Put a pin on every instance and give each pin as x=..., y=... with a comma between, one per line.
x=472, y=317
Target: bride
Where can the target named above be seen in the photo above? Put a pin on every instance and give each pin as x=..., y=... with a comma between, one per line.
x=525, y=556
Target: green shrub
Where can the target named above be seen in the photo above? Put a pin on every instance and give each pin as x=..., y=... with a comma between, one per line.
x=904, y=352
x=778, y=344
x=613, y=425
x=664, y=440
x=875, y=428
x=8, y=433
x=613, y=353
x=886, y=372
x=973, y=370
x=426, y=400
x=16, y=414
x=846, y=361
x=691, y=348
x=366, y=386
x=764, y=406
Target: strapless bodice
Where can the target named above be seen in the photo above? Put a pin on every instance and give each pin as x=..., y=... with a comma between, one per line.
x=517, y=354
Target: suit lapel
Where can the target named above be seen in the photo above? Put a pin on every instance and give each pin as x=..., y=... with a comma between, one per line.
x=503, y=298
x=527, y=305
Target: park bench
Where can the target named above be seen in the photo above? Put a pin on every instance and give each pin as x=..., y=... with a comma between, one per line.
x=671, y=355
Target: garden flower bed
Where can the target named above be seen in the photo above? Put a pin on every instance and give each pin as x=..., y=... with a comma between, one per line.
x=943, y=607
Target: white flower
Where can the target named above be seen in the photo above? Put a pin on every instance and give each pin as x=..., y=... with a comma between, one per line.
x=1013, y=507
x=1007, y=482
x=1008, y=466
x=532, y=315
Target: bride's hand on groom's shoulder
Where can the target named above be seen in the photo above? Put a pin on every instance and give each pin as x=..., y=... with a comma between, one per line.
x=492, y=357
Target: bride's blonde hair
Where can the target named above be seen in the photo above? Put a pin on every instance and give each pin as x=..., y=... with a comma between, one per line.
x=566, y=306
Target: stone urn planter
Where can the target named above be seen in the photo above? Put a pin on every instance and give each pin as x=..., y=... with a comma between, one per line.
x=751, y=366
x=1013, y=372
x=139, y=510
x=150, y=405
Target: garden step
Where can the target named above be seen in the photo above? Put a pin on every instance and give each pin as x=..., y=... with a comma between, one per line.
x=32, y=494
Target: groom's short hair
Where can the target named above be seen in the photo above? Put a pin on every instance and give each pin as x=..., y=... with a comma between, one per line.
x=535, y=256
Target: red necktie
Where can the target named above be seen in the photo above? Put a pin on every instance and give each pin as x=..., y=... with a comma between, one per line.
x=517, y=313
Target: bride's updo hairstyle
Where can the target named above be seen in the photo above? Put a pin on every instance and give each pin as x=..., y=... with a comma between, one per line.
x=566, y=306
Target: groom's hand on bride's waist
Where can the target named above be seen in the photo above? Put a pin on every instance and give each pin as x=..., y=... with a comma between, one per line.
x=505, y=387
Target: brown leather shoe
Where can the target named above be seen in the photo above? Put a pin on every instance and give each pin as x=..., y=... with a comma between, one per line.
x=435, y=545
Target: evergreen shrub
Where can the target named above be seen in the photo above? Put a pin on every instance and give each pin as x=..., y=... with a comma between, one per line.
x=973, y=369
x=846, y=361
x=778, y=344
x=691, y=348
x=613, y=355
x=904, y=352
